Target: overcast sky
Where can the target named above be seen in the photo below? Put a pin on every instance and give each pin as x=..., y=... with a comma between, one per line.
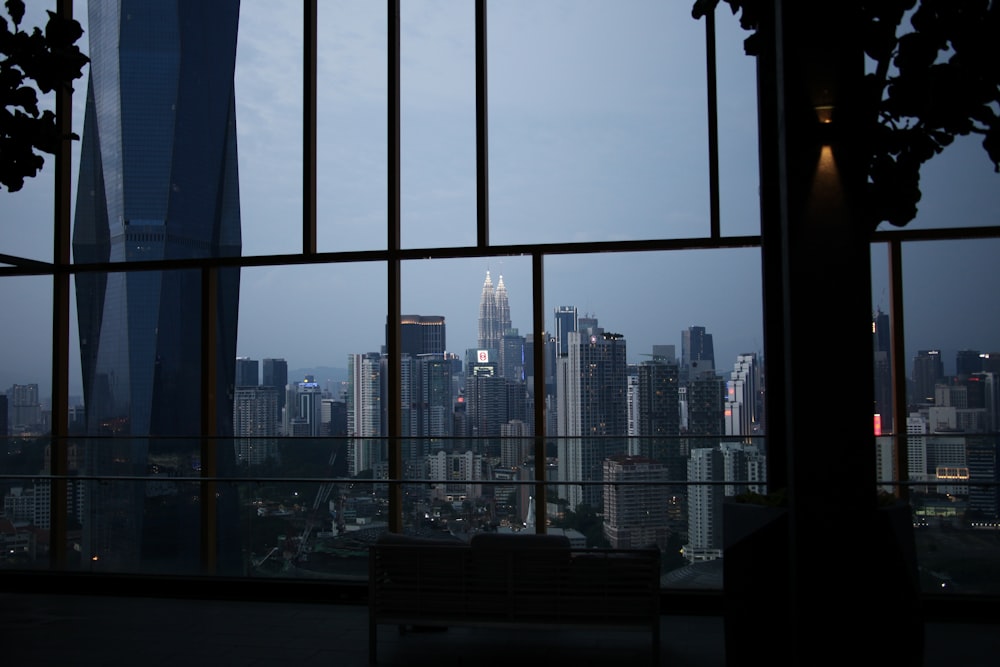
x=598, y=131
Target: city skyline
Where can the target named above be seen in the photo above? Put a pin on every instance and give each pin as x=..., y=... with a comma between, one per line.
x=572, y=158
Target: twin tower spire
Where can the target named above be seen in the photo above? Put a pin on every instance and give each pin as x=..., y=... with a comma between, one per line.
x=494, y=314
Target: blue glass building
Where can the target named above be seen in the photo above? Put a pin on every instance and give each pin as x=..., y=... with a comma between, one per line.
x=158, y=180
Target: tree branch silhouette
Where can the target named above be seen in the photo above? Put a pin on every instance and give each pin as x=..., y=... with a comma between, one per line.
x=32, y=62
x=933, y=80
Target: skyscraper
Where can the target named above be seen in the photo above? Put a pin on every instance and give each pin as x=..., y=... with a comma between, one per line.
x=882, y=355
x=158, y=180
x=592, y=405
x=697, y=352
x=421, y=334
x=247, y=372
x=364, y=411
x=928, y=370
x=565, y=322
x=494, y=314
x=275, y=374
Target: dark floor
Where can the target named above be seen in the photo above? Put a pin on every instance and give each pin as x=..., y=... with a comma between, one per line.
x=68, y=630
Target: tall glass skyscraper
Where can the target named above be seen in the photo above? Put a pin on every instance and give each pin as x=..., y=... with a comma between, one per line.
x=494, y=315
x=158, y=180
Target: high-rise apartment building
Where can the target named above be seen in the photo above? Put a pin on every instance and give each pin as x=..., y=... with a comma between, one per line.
x=635, y=502
x=255, y=424
x=704, y=502
x=157, y=180
x=743, y=402
x=364, y=412
x=25, y=408
x=705, y=406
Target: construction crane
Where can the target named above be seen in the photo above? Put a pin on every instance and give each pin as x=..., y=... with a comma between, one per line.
x=322, y=495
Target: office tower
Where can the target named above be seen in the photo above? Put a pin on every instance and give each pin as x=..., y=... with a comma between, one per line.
x=247, y=372
x=486, y=406
x=494, y=314
x=4, y=417
x=157, y=180
x=255, y=424
x=304, y=416
x=697, y=352
x=987, y=392
x=481, y=362
x=275, y=374
x=882, y=359
x=25, y=411
x=984, y=496
x=512, y=356
x=635, y=513
x=364, y=412
x=565, y=321
x=928, y=370
x=421, y=334
x=593, y=411
x=990, y=362
x=705, y=504
x=741, y=404
x=968, y=362
x=434, y=396
x=947, y=464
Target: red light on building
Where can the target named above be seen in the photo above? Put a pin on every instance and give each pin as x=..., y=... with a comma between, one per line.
x=878, y=424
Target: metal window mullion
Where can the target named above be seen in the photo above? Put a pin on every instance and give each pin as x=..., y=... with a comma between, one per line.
x=209, y=421
x=897, y=365
x=482, y=132
x=309, y=48
x=538, y=356
x=59, y=465
x=393, y=333
x=713, y=125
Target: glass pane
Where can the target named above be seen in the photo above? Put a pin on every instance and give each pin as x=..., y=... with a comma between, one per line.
x=597, y=122
x=28, y=212
x=739, y=177
x=438, y=125
x=26, y=344
x=269, y=113
x=352, y=140
x=959, y=188
x=635, y=401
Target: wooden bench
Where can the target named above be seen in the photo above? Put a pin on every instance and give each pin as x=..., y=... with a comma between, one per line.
x=506, y=580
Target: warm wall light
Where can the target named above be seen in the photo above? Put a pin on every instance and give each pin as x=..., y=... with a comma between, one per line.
x=824, y=113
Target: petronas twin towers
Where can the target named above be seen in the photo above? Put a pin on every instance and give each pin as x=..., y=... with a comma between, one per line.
x=494, y=314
